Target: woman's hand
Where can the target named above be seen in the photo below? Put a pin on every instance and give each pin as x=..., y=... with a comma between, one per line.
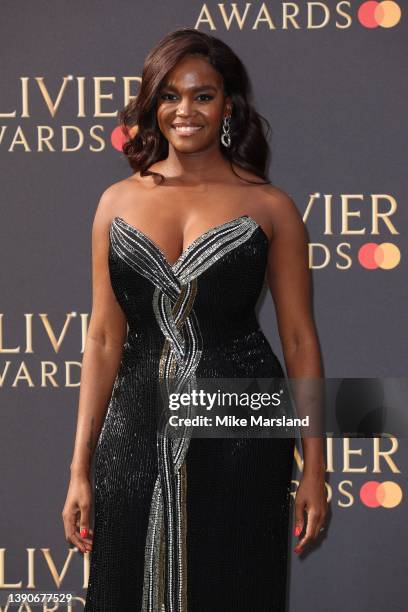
x=311, y=498
x=75, y=514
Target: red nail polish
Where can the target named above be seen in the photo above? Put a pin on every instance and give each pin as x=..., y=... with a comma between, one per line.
x=297, y=530
x=84, y=533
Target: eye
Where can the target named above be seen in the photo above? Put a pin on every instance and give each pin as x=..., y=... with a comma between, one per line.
x=208, y=96
x=163, y=96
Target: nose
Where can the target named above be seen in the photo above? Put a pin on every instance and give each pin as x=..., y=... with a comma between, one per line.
x=184, y=109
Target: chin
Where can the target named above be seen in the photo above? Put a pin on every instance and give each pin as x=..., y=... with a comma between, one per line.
x=189, y=147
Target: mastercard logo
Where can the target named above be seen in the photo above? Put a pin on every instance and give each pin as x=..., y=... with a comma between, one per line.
x=374, y=14
x=387, y=494
x=385, y=256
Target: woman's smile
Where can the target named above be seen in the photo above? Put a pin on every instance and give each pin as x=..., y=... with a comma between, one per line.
x=185, y=129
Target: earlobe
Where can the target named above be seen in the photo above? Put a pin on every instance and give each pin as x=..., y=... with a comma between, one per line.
x=227, y=106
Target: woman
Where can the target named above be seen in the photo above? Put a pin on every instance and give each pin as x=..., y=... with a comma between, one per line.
x=180, y=252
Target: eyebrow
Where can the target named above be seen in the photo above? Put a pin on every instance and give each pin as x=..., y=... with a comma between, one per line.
x=196, y=88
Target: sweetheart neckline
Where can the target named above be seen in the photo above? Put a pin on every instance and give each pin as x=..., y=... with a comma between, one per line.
x=196, y=241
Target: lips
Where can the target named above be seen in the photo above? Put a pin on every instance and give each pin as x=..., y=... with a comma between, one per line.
x=179, y=124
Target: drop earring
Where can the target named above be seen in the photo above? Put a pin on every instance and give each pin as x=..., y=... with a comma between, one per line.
x=225, y=136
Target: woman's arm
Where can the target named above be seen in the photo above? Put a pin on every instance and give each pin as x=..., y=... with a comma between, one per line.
x=101, y=359
x=103, y=347
x=289, y=280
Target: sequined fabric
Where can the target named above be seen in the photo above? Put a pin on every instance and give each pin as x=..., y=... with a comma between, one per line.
x=188, y=525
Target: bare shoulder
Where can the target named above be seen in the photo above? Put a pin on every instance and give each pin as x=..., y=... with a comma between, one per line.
x=280, y=209
x=114, y=198
x=278, y=201
x=272, y=199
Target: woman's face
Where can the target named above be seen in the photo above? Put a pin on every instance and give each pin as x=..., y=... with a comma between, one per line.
x=191, y=105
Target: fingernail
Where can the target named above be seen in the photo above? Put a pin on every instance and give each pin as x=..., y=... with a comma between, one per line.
x=84, y=533
x=297, y=530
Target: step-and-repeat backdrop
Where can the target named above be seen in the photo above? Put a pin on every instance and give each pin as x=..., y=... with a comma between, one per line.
x=330, y=77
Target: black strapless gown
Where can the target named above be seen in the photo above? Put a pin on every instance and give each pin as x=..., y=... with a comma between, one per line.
x=204, y=528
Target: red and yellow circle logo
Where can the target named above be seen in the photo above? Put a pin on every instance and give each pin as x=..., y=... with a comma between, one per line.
x=374, y=14
x=385, y=256
x=387, y=494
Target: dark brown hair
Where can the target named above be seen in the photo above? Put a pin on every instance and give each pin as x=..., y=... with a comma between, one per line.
x=249, y=147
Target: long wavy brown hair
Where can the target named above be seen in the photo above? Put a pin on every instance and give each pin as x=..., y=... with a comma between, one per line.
x=146, y=144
